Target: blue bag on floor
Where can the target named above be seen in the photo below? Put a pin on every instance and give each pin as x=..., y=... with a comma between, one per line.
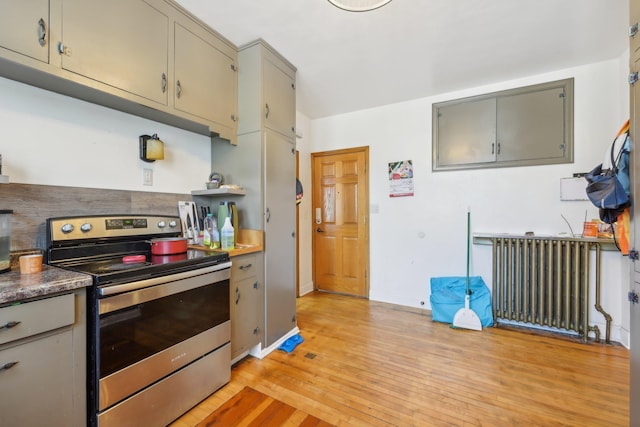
x=447, y=297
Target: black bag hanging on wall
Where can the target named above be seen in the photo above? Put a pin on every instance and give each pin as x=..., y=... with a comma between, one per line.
x=604, y=188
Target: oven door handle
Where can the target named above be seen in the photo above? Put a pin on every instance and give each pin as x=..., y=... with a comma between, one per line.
x=141, y=284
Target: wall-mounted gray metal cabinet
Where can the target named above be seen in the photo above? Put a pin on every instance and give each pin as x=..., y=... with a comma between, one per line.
x=527, y=126
x=145, y=57
x=25, y=31
x=268, y=92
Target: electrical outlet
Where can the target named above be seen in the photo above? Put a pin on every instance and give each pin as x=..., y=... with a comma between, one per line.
x=147, y=176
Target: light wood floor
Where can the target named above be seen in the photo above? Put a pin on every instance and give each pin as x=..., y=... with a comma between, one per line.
x=372, y=364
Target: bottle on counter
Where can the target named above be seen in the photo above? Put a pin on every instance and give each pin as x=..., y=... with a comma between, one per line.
x=210, y=231
x=227, y=235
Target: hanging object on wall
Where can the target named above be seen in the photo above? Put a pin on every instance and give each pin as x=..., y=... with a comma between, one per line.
x=151, y=148
x=298, y=191
x=359, y=5
x=401, y=178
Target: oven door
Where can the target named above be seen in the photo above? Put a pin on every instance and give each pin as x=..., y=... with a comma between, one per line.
x=148, y=332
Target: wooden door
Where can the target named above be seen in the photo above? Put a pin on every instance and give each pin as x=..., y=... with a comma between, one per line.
x=340, y=221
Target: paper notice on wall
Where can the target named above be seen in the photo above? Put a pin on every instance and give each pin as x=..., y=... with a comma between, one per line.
x=573, y=189
x=401, y=178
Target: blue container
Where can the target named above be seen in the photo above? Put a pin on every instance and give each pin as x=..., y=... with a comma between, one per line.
x=447, y=297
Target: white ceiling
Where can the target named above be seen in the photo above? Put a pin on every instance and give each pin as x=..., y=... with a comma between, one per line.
x=410, y=49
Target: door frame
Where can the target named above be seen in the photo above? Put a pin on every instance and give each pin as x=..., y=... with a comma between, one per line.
x=366, y=254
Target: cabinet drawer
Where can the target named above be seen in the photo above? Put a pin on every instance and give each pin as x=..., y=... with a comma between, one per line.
x=243, y=267
x=36, y=317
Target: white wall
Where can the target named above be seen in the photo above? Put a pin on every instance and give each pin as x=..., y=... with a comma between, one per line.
x=51, y=139
x=416, y=238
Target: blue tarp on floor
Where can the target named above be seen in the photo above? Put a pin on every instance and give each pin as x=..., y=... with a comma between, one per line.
x=447, y=297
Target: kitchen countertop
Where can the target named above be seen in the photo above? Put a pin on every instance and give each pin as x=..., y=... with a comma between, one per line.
x=16, y=287
x=249, y=241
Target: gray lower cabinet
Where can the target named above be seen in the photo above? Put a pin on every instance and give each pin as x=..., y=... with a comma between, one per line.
x=42, y=362
x=264, y=163
x=247, y=296
x=280, y=239
x=25, y=30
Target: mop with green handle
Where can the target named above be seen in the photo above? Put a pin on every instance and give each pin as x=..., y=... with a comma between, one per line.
x=465, y=317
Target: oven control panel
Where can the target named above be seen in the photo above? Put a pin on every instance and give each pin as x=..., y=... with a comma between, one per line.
x=98, y=227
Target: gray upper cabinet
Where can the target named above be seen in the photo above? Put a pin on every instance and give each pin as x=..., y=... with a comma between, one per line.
x=527, y=126
x=280, y=97
x=151, y=58
x=268, y=90
x=205, y=79
x=25, y=30
x=121, y=43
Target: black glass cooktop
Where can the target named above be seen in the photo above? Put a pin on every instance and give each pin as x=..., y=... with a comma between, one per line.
x=139, y=266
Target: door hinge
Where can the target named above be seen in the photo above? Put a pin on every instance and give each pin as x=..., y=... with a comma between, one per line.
x=634, y=255
x=633, y=78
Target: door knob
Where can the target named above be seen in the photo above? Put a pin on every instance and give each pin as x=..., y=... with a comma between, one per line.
x=319, y=230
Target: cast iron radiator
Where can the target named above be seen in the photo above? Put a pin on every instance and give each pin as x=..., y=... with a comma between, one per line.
x=543, y=283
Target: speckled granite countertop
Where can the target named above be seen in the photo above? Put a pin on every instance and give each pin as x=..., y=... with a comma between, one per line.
x=51, y=280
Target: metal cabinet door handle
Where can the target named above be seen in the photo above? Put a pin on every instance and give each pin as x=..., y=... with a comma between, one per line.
x=266, y=109
x=237, y=295
x=10, y=324
x=178, y=89
x=164, y=82
x=245, y=267
x=7, y=366
x=42, y=32
x=268, y=214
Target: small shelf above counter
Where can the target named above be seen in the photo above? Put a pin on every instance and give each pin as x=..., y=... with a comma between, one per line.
x=219, y=192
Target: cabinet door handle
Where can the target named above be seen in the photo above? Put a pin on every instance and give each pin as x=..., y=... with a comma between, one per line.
x=268, y=214
x=8, y=366
x=178, y=89
x=42, y=32
x=10, y=324
x=163, y=82
x=633, y=30
x=245, y=267
x=266, y=109
x=493, y=148
x=255, y=285
x=256, y=331
x=498, y=150
x=237, y=295
x=233, y=118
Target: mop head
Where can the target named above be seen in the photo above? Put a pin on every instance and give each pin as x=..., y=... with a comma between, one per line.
x=291, y=343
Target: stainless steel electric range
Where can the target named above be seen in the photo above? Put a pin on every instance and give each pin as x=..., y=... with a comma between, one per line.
x=158, y=325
